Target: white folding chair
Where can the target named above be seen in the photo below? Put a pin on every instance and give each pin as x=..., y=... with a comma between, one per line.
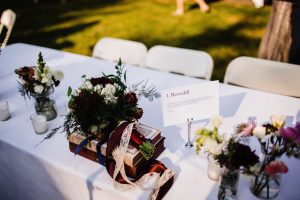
x=266, y=75
x=178, y=60
x=130, y=52
x=7, y=21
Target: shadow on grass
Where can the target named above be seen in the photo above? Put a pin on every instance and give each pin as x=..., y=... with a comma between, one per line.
x=33, y=20
x=39, y=37
x=230, y=38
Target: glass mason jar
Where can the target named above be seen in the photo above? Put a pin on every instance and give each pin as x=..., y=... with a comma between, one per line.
x=213, y=168
x=43, y=104
x=264, y=186
x=228, y=184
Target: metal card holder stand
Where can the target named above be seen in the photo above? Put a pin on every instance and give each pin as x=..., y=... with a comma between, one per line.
x=189, y=144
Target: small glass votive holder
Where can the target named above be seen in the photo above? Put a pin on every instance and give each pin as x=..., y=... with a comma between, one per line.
x=39, y=123
x=4, y=111
x=213, y=169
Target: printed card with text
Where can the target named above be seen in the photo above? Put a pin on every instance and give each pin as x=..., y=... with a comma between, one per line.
x=193, y=102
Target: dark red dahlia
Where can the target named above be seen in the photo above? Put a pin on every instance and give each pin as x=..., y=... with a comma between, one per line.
x=27, y=73
x=87, y=102
x=131, y=98
x=101, y=81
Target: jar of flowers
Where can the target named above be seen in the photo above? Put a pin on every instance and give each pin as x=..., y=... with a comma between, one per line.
x=38, y=82
x=275, y=141
x=229, y=154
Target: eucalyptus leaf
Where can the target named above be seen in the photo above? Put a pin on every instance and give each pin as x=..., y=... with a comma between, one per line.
x=69, y=91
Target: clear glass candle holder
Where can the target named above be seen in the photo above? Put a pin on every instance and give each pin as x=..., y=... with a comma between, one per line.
x=39, y=123
x=4, y=111
x=213, y=169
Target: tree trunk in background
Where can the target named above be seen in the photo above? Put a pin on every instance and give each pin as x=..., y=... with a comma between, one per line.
x=281, y=41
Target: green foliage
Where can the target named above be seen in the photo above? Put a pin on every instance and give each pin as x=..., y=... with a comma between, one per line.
x=40, y=62
x=69, y=91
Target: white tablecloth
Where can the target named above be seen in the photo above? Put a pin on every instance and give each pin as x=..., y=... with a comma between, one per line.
x=51, y=171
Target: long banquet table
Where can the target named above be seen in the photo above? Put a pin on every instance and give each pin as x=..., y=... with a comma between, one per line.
x=51, y=171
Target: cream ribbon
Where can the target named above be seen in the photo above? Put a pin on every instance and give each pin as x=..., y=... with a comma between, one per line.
x=119, y=155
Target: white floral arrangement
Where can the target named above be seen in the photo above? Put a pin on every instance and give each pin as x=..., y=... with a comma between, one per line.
x=210, y=140
x=38, y=79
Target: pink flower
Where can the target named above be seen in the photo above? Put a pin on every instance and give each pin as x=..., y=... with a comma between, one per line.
x=291, y=134
x=276, y=167
x=246, y=129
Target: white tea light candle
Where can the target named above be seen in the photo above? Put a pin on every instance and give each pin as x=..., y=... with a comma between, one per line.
x=4, y=111
x=39, y=123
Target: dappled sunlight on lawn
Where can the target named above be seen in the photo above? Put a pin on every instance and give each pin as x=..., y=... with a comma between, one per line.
x=232, y=28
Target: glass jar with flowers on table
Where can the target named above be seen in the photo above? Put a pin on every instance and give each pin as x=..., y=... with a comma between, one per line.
x=229, y=154
x=38, y=82
x=236, y=157
x=275, y=141
x=211, y=143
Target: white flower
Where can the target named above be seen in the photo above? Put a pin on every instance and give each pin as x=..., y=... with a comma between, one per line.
x=94, y=129
x=47, y=78
x=278, y=121
x=58, y=75
x=98, y=88
x=102, y=126
x=109, y=90
x=212, y=146
x=44, y=78
x=37, y=74
x=260, y=132
x=47, y=70
x=216, y=121
x=88, y=85
x=110, y=99
x=38, y=88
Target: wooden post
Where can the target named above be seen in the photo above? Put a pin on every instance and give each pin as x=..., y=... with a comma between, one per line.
x=281, y=41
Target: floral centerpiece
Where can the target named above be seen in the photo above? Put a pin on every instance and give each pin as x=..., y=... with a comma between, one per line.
x=229, y=153
x=38, y=82
x=100, y=104
x=275, y=141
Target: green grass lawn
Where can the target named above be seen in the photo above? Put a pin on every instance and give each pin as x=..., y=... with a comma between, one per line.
x=232, y=28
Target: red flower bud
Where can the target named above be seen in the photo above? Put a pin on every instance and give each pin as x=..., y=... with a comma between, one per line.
x=276, y=167
x=130, y=98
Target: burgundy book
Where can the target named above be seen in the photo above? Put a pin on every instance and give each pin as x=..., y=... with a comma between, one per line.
x=133, y=155
x=132, y=171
